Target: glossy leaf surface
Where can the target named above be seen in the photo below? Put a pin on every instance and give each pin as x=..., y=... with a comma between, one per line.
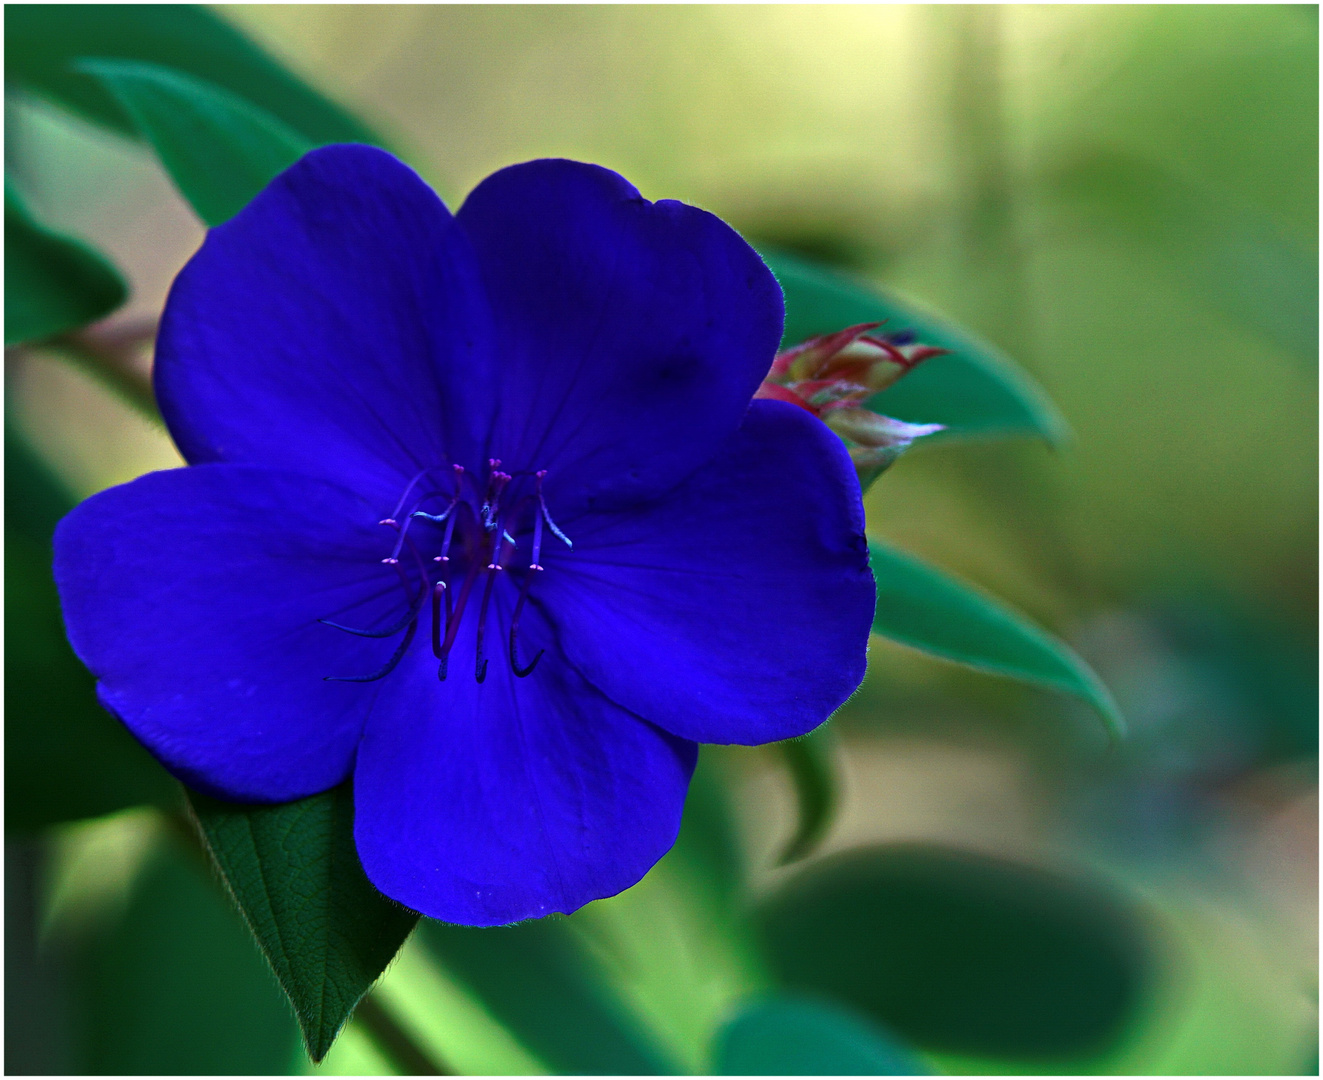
x=44, y=41
x=961, y=952
x=974, y=390
x=53, y=283
x=295, y=874
x=789, y=1036
x=219, y=149
x=926, y=608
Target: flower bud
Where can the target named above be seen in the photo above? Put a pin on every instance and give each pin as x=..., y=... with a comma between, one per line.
x=832, y=375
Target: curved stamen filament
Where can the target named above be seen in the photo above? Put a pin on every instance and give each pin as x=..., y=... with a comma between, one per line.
x=390, y=664
x=542, y=501
x=522, y=672
x=480, y=661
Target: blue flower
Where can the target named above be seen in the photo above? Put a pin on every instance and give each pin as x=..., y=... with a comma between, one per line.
x=479, y=513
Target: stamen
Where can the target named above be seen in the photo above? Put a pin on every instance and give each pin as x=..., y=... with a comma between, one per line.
x=440, y=617
x=547, y=513
x=390, y=665
x=522, y=672
x=480, y=661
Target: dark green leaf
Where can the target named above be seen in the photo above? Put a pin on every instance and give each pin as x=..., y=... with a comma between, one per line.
x=534, y=980
x=921, y=606
x=974, y=390
x=962, y=953
x=814, y=775
x=42, y=42
x=53, y=283
x=65, y=757
x=294, y=872
x=793, y=1037
x=174, y=986
x=219, y=149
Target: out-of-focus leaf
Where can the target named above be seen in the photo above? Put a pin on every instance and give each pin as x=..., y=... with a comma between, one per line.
x=788, y=1036
x=53, y=283
x=974, y=390
x=961, y=952
x=1228, y=251
x=219, y=149
x=43, y=41
x=923, y=607
x=809, y=761
x=174, y=985
x=65, y=757
x=294, y=872
x=532, y=977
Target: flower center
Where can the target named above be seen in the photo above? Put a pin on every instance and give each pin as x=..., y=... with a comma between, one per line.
x=476, y=533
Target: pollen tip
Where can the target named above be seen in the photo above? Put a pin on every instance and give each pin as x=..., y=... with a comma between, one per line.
x=536, y=567
x=440, y=558
x=388, y=521
x=390, y=562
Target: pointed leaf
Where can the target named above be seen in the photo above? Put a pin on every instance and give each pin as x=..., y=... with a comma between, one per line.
x=295, y=874
x=42, y=42
x=809, y=760
x=219, y=149
x=975, y=389
x=789, y=1036
x=921, y=606
x=53, y=283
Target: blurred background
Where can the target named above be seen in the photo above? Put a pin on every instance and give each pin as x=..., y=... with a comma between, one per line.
x=1125, y=200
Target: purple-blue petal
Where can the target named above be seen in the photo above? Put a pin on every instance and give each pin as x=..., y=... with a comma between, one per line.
x=486, y=804
x=193, y=595
x=737, y=609
x=328, y=328
x=630, y=335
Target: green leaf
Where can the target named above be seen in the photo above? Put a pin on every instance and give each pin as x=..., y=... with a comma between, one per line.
x=533, y=978
x=43, y=41
x=963, y=953
x=219, y=149
x=787, y=1036
x=925, y=608
x=813, y=773
x=294, y=872
x=173, y=986
x=53, y=283
x=66, y=758
x=974, y=390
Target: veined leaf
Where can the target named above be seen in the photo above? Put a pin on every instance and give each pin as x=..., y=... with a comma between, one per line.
x=42, y=42
x=219, y=149
x=974, y=390
x=787, y=1036
x=921, y=606
x=294, y=872
x=53, y=283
